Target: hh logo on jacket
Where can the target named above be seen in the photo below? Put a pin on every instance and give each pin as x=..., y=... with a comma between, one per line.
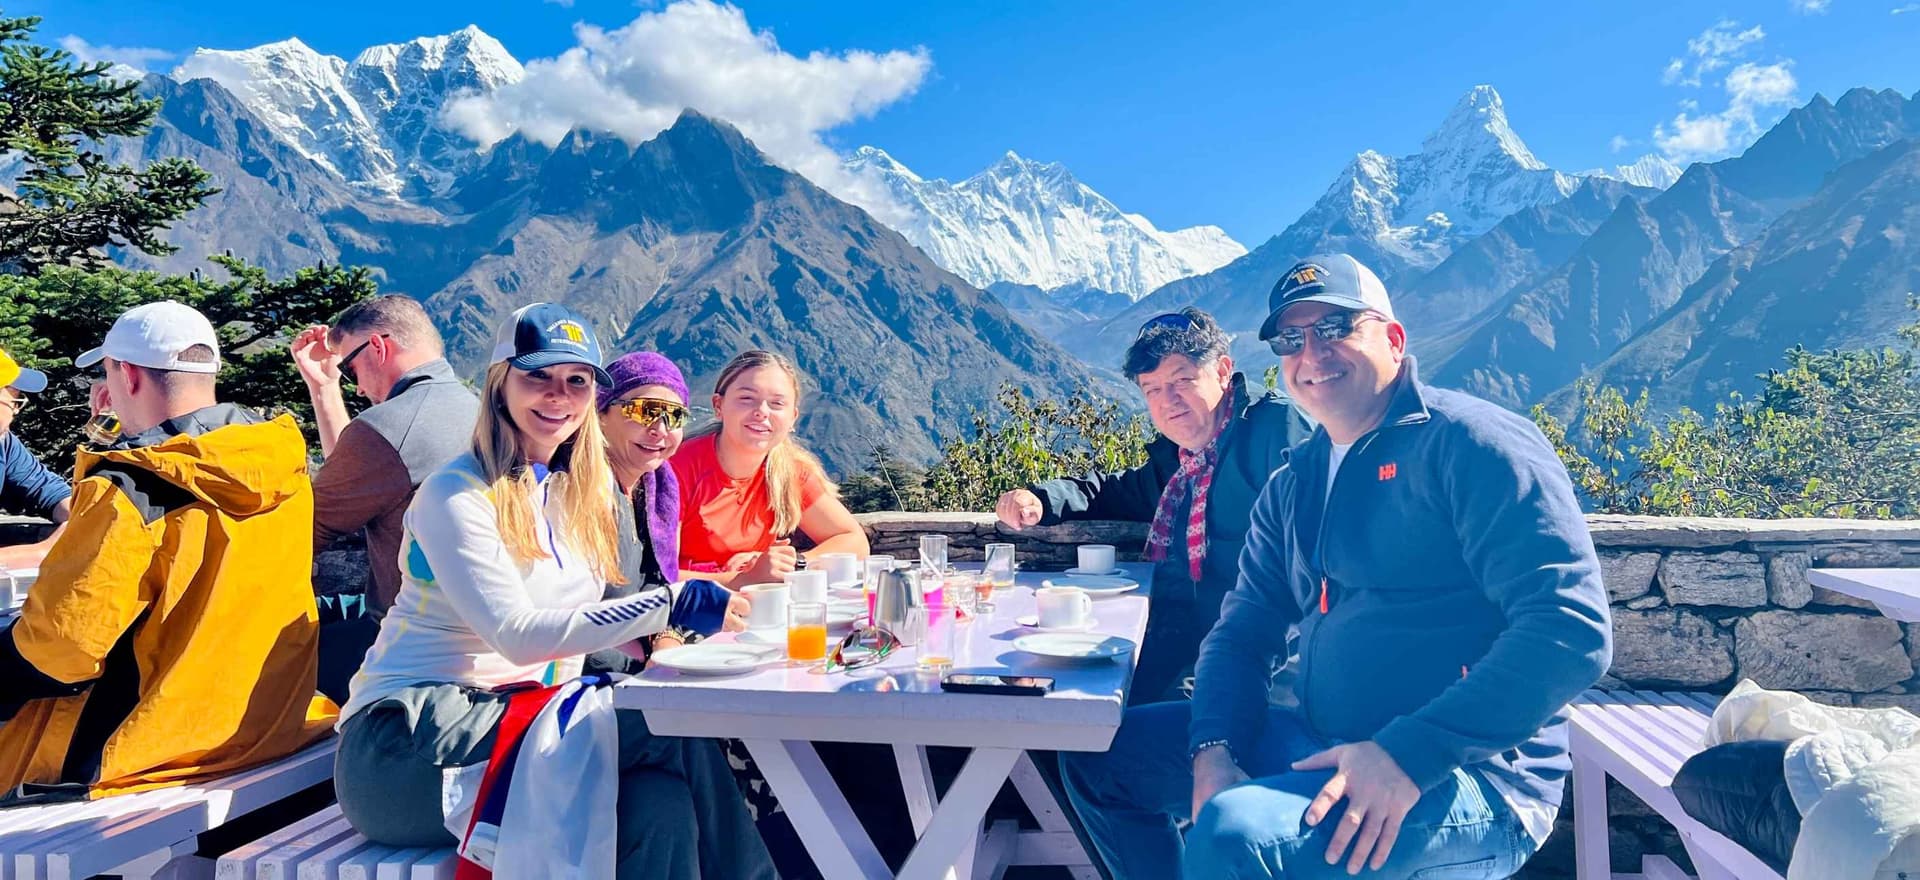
x=1388, y=471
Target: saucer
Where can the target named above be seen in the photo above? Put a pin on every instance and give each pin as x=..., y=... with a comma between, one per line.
x=1075, y=647
x=1032, y=621
x=714, y=658
x=1095, y=586
x=1111, y=572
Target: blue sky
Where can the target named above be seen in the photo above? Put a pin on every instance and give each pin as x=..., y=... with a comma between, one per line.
x=1236, y=114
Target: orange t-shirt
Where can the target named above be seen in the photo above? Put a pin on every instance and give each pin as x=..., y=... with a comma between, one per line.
x=719, y=515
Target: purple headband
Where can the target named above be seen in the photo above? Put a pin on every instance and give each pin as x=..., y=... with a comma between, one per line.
x=634, y=369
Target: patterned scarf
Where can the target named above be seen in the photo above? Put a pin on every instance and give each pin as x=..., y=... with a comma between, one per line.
x=1194, y=477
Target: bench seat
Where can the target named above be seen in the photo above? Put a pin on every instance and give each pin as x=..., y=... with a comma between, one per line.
x=69, y=841
x=323, y=846
x=1640, y=739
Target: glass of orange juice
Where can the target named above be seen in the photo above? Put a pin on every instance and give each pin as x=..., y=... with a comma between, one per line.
x=806, y=631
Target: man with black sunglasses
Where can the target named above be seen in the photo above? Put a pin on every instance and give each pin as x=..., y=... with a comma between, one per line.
x=422, y=416
x=1218, y=444
x=1428, y=546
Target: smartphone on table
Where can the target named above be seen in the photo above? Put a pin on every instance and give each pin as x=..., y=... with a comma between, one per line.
x=1014, y=685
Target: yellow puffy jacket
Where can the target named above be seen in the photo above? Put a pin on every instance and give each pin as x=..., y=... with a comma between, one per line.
x=171, y=635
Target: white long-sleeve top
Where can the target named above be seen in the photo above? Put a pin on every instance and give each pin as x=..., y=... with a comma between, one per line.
x=468, y=613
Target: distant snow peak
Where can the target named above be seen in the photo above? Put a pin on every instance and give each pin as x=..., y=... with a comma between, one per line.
x=1030, y=222
x=1651, y=170
x=375, y=122
x=1477, y=124
x=1470, y=173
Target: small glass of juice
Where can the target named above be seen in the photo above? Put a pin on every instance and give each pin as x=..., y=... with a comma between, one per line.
x=806, y=632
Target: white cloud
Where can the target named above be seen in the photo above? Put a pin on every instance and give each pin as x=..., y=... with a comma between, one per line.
x=635, y=80
x=1752, y=90
x=1715, y=48
x=1618, y=143
x=129, y=62
x=1811, y=7
x=1903, y=10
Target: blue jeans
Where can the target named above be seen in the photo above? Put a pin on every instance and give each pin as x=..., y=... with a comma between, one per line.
x=1131, y=797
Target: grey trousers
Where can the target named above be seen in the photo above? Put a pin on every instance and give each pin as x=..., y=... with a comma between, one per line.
x=680, y=815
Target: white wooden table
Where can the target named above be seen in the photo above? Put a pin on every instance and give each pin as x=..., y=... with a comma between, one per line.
x=1895, y=591
x=779, y=712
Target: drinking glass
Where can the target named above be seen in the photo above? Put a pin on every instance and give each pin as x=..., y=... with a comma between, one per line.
x=996, y=574
x=933, y=552
x=936, y=647
x=806, y=631
x=963, y=592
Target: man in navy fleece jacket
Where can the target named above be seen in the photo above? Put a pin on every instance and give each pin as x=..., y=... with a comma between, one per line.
x=1429, y=547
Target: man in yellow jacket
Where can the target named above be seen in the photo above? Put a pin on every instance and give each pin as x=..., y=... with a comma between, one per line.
x=171, y=635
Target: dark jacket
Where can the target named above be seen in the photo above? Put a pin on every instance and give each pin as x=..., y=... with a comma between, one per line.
x=1463, y=606
x=1253, y=446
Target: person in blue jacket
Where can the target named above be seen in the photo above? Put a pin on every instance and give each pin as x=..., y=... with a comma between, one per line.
x=1429, y=548
x=1219, y=443
x=26, y=485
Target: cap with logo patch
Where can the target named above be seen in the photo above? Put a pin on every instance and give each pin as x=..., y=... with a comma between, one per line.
x=20, y=378
x=155, y=336
x=547, y=335
x=1334, y=279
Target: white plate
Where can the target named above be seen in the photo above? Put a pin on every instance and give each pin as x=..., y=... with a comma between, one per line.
x=1032, y=621
x=855, y=590
x=1077, y=647
x=1087, y=573
x=717, y=658
x=845, y=613
x=1097, y=587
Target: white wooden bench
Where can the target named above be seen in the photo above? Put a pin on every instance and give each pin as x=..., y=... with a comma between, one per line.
x=1641, y=738
x=323, y=846
x=141, y=834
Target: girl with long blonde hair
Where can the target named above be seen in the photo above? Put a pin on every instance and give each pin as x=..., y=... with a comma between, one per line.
x=746, y=485
x=506, y=555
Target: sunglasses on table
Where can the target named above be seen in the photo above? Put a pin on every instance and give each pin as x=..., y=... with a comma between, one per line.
x=647, y=410
x=1332, y=328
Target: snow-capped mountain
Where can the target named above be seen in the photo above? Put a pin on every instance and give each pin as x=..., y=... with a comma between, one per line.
x=375, y=122
x=1470, y=173
x=1034, y=223
x=1651, y=170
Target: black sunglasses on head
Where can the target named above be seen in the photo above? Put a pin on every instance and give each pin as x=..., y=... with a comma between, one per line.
x=1176, y=320
x=1289, y=341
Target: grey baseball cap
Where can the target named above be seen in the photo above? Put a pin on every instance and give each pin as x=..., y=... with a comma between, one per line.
x=1334, y=279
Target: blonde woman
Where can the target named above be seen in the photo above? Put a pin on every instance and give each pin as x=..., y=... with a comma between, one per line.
x=506, y=553
x=746, y=485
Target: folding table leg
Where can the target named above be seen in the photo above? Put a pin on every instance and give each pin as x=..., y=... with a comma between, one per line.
x=916, y=781
x=833, y=835
x=1592, y=855
x=956, y=819
x=1051, y=814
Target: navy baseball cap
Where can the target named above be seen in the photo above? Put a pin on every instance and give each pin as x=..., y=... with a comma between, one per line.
x=546, y=335
x=1334, y=279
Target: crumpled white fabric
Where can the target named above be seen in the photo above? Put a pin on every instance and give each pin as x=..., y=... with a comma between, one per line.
x=1854, y=775
x=560, y=817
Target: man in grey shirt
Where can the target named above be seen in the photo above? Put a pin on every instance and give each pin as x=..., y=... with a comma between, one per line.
x=422, y=416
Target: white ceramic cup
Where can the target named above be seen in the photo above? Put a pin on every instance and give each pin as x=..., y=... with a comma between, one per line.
x=808, y=585
x=1063, y=606
x=841, y=568
x=767, y=605
x=1096, y=558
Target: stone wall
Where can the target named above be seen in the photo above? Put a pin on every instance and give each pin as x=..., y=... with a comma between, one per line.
x=1698, y=604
